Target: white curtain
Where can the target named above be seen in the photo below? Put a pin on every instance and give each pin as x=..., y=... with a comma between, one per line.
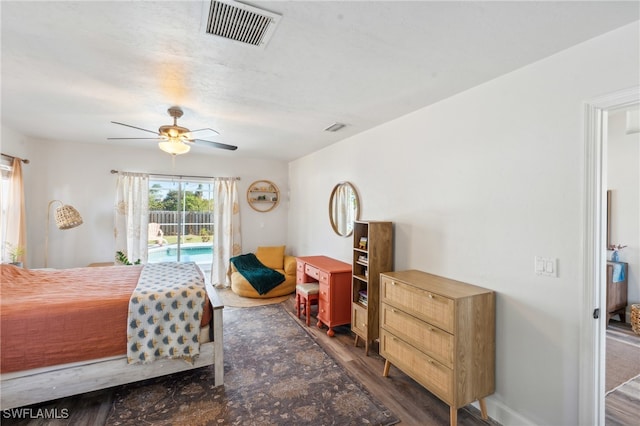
x=16, y=223
x=132, y=215
x=226, y=229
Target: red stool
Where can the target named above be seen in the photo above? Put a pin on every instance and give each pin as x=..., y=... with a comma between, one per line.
x=307, y=295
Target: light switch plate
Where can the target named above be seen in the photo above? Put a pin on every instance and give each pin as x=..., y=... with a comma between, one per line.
x=546, y=266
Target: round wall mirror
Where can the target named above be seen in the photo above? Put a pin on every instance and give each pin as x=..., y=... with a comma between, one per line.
x=344, y=208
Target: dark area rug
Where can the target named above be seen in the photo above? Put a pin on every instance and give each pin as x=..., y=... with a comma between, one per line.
x=275, y=374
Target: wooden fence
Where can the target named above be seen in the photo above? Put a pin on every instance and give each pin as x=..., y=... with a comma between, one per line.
x=190, y=222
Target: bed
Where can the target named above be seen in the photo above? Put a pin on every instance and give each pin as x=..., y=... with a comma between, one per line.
x=65, y=332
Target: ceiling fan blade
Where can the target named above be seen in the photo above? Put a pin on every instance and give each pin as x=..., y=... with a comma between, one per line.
x=134, y=127
x=206, y=128
x=128, y=139
x=215, y=144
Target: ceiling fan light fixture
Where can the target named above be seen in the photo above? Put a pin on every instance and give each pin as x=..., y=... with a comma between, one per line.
x=176, y=139
x=174, y=147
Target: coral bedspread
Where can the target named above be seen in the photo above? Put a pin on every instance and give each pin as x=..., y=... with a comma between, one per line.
x=51, y=317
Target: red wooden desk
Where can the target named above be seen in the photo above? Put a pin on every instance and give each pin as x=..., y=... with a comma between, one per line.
x=334, y=278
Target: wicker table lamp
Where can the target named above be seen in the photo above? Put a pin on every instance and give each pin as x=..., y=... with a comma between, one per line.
x=67, y=217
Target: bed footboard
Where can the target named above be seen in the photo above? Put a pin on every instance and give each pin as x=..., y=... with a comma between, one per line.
x=44, y=384
x=216, y=330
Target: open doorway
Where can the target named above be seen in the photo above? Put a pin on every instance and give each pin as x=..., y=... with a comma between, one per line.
x=622, y=345
x=593, y=331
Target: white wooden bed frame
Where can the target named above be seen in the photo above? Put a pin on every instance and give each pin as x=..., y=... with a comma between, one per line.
x=27, y=387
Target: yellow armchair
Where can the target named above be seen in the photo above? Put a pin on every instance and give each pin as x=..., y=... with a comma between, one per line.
x=274, y=258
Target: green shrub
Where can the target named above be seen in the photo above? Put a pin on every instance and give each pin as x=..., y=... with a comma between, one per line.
x=204, y=234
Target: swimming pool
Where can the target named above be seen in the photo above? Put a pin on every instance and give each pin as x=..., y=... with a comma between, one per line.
x=188, y=253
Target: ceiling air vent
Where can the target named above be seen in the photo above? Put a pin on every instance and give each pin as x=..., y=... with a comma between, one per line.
x=240, y=22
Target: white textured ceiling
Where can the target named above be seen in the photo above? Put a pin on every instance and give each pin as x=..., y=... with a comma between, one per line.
x=69, y=68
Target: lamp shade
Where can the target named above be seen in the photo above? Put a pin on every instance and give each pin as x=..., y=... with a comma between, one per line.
x=67, y=217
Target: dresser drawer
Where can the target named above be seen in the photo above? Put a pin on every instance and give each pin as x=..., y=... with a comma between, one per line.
x=324, y=310
x=301, y=277
x=433, y=308
x=324, y=277
x=312, y=272
x=431, y=340
x=324, y=302
x=425, y=370
x=359, y=320
x=323, y=291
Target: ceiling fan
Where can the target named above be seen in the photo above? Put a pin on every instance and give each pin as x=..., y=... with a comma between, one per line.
x=176, y=139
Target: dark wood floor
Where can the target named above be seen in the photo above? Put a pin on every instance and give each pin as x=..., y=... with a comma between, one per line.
x=409, y=401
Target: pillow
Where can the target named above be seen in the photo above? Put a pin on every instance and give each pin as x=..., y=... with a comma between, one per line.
x=271, y=257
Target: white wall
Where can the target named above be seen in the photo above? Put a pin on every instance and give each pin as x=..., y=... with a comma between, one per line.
x=79, y=175
x=623, y=179
x=477, y=186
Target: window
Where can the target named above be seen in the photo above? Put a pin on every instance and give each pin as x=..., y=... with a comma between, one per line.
x=181, y=222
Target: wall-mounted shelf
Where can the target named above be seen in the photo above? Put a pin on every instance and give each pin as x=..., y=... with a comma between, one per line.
x=263, y=196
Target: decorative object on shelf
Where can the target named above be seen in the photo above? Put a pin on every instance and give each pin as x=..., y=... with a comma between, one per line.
x=344, y=208
x=263, y=196
x=67, y=217
x=615, y=256
x=363, y=243
x=15, y=253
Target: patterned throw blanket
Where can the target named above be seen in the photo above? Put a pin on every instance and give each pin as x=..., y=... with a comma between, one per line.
x=165, y=311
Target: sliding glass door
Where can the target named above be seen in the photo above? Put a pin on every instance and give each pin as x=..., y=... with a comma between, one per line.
x=181, y=222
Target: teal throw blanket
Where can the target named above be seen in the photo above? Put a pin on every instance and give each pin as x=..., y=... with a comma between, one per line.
x=259, y=276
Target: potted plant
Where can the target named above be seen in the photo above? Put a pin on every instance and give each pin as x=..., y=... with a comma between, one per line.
x=122, y=259
x=15, y=253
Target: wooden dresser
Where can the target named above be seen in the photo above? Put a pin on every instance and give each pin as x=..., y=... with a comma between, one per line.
x=617, y=291
x=441, y=333
x=334, y=278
